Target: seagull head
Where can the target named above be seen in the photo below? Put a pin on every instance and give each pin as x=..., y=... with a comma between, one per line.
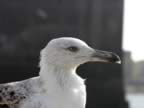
x=71, y=52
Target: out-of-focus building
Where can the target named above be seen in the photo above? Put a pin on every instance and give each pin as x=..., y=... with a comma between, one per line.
x=127, y=66
x=133, y=73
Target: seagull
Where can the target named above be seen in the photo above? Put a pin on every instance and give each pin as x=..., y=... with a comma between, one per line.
x=58, y=85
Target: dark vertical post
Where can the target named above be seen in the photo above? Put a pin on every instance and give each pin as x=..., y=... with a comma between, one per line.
x=103, y=25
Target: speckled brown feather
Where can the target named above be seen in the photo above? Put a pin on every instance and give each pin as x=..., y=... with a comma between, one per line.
x=11, y=94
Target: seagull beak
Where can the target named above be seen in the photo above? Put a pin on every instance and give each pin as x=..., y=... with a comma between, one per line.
x=103, y=56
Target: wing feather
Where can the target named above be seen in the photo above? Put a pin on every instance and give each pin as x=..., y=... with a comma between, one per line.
x=12, y=93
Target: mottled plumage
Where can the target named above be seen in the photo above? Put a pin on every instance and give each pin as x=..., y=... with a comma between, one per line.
x=15, y=93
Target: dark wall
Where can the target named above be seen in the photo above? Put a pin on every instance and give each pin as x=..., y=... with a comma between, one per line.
x=27, y=25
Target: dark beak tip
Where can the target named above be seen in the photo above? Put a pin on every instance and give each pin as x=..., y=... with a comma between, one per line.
x=104, y=56
x=115, y=58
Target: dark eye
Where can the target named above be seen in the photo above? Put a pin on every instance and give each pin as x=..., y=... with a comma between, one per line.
x=72, y=49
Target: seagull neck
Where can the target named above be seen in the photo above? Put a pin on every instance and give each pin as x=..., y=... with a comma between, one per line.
x=57, y=77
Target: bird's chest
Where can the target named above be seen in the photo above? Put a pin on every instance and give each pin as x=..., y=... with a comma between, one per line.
x=72, y=99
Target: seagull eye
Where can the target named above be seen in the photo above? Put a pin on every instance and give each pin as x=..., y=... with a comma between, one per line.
x=73, y=49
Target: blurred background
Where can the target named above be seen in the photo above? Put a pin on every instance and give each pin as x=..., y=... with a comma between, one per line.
x=133, y=52
x=26, y=26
